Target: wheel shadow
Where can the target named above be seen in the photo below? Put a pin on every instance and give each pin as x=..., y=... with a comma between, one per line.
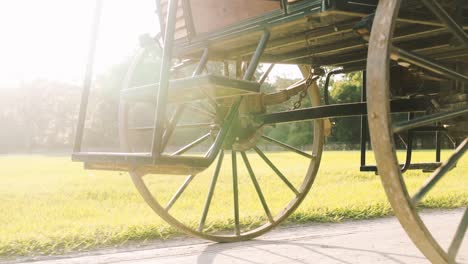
x=268, y=251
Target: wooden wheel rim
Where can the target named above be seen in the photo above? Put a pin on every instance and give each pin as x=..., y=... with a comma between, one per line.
x=380, y=125
x=287, y=210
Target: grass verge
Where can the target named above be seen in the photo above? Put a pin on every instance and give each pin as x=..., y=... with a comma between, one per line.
x=49, y=205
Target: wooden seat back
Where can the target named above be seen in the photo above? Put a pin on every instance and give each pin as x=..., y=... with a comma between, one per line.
x=204, y=16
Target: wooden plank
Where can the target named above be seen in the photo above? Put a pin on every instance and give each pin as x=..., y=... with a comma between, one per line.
x=181, y=30
x=211, y=15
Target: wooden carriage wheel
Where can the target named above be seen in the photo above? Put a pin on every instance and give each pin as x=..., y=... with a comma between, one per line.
x=271, y=217
x=382, y=129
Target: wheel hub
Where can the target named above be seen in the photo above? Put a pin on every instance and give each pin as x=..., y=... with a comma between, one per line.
x=245, y=132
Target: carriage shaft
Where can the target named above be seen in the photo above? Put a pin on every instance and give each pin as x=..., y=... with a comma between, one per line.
x=341, y=110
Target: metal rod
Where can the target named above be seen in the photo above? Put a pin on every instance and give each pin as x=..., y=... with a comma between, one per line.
x=459, y=235
x=363, y=121
x=257, y=187
x=441, y=171
x=265, y=75
x=429, y=119
x=206, y=208
x=273, y=167
x=414, y=166
x=284, y=6
x=249, y=73
x=88, y=77
x=448, y=21
x=235, y=190
x=201, y=65
x=451, y=139
x=340, y=110
x=438, y=145
x=326, y=92
x=437, y=128
x=192, y=145
x=179, y=192
x=409, y=147
x=427, y=64
x=286, y=146
x=199, y=70
x=163, y=90
x=409, y=152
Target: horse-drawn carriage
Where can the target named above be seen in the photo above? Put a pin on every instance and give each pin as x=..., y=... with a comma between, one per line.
x=414, y=59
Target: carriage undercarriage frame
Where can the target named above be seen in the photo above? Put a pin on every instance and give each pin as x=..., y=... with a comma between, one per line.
x=420, y=38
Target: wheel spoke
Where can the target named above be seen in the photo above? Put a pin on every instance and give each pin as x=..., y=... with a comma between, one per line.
x=429, y=119
x=171, y=125
x=235, y=189
x=206, y=208
x=441, y=171
x=257, y=187
x=180, y=126
x=288, y=147
x=459, y=235
x=448, y=21
x=397, y=54
x=142, y=128
x=194, y=125
x=273, y=167
x=179, y=192
x=211, y=100
x=211, y=106
x=192, y=145
x=201, y=110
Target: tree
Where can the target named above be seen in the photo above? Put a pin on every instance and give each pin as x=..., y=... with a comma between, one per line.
x=102, y=129
x=39, y=114
x=347, y=90
x=42, y=114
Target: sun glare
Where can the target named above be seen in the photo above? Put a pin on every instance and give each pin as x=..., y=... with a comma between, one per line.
x=49, y=39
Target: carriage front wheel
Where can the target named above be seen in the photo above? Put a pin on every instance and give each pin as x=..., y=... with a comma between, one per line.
x=248, y=190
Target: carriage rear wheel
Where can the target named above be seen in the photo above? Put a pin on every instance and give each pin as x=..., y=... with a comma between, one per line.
x=382, y=51
x=247, y=191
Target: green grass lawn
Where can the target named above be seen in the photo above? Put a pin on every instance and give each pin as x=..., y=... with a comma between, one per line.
x=49, y=205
